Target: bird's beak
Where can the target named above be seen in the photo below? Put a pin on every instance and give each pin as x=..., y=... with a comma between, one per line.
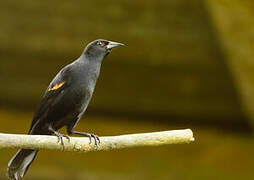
x=112, y=44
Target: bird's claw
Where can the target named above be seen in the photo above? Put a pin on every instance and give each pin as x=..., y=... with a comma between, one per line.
x=90, y=136
x=95, y=137
x=60, y=138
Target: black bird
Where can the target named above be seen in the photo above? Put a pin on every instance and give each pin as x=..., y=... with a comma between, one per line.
x=64, y=102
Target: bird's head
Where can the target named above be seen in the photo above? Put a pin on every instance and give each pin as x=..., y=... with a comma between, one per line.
x=100, y=48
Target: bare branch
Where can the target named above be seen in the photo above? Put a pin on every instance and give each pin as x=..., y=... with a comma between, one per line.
x=81, y=144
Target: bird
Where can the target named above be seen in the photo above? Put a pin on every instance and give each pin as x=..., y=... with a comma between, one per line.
x=64, y=102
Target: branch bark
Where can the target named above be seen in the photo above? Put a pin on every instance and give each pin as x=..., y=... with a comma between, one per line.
x=81, y=144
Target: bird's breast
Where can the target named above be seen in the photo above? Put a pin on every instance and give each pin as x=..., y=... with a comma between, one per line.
x=82, y=93
x=83, y=84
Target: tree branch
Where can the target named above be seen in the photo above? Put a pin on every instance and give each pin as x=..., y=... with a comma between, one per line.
x=81, y=144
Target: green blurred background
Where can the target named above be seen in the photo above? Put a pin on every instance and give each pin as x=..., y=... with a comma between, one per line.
x=187, y=64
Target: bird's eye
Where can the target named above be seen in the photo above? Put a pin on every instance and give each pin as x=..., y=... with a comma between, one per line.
x=100, y=43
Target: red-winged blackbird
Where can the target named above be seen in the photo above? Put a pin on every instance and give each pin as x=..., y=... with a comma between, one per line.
x=64, y=102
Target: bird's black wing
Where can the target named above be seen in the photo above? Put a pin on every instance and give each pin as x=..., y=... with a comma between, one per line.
x=53, y=93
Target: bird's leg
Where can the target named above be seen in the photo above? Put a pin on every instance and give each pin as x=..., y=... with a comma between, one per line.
x=90, y=136
x=59, y=135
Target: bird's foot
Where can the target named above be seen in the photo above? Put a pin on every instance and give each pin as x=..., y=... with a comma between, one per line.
x=90, y=136
x=95, y=137
x=60, y=138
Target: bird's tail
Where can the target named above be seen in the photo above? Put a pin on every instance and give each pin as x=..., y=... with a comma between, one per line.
x=20, y=163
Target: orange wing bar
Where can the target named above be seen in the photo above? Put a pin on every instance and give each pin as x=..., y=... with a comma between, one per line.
x=55, y=87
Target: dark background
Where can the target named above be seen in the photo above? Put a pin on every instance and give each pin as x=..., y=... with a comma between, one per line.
x=187, y=64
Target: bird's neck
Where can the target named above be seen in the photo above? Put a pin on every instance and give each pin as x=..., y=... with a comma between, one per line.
x=91, y=57
x=89, y=64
